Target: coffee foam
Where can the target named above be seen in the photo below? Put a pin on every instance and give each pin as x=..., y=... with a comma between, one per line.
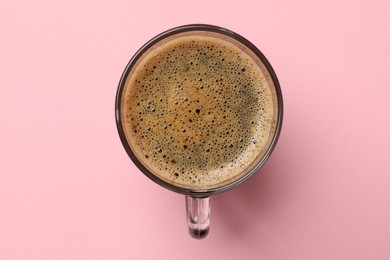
x=198, y=111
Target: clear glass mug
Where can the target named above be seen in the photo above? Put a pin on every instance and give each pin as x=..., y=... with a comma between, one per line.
x=197, y=200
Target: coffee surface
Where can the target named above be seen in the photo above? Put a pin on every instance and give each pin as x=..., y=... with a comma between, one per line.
x=198, y=110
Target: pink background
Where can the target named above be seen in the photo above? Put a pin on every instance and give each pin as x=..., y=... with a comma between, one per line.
x=69, y=191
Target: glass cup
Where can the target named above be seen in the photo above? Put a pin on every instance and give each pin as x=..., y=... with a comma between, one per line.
x=197, y=199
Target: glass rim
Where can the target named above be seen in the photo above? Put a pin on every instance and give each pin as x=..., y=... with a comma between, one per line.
x=119, y=96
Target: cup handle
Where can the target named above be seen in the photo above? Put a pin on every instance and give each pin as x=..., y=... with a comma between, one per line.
x=198, y=216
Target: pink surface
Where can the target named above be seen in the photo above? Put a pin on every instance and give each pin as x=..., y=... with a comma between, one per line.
x=69, y=191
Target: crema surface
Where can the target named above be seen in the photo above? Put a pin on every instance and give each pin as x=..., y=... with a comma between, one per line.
x=198, y=110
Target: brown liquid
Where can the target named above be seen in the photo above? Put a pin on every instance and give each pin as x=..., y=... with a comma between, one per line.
x=198, y=111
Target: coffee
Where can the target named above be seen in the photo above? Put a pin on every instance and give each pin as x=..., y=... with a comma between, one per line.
x=198, y=109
